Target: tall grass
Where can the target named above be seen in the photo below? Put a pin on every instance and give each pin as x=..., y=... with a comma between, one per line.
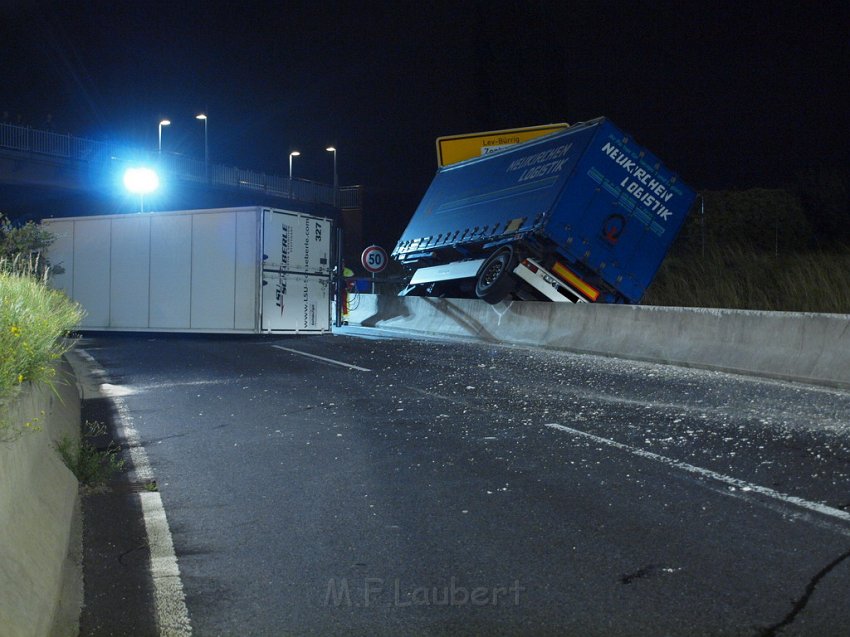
x=34, y=324
x=735, y=278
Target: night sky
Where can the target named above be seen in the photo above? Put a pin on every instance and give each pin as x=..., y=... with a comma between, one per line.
x=728, y=94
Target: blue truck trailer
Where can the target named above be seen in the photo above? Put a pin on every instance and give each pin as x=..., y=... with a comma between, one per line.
x=583, y=215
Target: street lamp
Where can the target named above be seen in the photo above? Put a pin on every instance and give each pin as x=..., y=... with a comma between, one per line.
x=164, y=122
x=332, y=149
x=203, y=117
x=141, y=181
x=294, y=153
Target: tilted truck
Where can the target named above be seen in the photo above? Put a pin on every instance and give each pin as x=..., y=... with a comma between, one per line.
x=583, y=215
x=224, y=270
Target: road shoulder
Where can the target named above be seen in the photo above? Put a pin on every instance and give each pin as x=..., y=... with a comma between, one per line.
x=118, y=595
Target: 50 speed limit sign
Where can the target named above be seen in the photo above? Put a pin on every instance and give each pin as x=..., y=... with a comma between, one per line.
x=374, y=259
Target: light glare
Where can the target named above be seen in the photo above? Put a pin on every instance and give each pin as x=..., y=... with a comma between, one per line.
x=141, y=181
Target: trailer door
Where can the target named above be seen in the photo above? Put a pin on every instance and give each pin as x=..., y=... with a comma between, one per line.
x=296, y=272
x=295, y=302
x=296, y=242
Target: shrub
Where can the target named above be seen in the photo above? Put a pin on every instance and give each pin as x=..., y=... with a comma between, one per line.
x=35, y=322
x=755, y=220
x=21, y=247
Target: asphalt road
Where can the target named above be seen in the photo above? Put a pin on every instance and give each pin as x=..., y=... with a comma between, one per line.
x=428, y=488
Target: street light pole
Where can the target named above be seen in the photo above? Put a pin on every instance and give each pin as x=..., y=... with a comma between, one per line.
x=203, y=117
x=294, y=153
x=162, y=123
x=332, y=149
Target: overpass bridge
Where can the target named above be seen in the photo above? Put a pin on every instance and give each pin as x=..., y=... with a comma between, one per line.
x=48, y=174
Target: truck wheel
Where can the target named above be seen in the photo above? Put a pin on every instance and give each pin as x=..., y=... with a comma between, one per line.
x=495, y=280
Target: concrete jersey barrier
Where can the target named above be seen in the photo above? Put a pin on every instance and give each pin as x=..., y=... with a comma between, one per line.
x=40, y=520
x=811, y=348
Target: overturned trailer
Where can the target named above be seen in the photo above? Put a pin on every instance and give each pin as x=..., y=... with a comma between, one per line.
x=226, y=270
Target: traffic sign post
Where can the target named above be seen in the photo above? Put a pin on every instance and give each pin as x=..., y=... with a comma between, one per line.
x=374, y=259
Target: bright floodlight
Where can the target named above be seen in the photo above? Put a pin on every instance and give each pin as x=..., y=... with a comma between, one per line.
x=141, y=181
x=201, y=116
x=330, y=149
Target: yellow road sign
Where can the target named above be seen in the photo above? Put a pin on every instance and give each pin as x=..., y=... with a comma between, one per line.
x=454, y=148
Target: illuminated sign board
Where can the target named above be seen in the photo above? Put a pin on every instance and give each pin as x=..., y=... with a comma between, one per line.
x=454, y=148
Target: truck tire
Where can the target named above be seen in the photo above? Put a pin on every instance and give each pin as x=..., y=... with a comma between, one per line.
x=495, y=280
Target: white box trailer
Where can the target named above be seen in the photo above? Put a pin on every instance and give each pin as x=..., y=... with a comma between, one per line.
x=242, y=270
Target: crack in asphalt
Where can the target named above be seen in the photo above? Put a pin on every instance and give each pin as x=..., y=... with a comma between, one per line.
x=639, y=574
x=800, y=604
x=140, y=547
x=650, y=570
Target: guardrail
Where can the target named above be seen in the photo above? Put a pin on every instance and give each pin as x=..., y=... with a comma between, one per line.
x=26, y=139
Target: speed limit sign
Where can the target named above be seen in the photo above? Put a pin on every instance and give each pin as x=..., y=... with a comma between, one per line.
x=374, y=259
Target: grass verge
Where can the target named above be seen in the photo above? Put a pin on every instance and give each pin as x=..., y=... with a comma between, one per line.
x=35, y=323
x=735, y=278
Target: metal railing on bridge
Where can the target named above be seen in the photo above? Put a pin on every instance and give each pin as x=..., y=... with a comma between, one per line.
x=26, y=139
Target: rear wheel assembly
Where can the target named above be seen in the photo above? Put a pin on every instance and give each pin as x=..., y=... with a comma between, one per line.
x=495, y=280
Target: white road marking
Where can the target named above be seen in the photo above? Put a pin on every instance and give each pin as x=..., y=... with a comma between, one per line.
x=322, y=358
x=169, y=598
x=745, y=487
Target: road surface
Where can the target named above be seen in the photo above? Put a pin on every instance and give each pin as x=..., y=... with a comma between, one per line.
x=346, y=485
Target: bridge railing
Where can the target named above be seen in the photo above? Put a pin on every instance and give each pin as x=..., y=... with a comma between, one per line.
x=88, y=150
x=15, y=137
x=48, y=143
x=24, y=138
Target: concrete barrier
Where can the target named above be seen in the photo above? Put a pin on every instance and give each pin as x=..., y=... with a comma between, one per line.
x=40, y=521
x=812, y=348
